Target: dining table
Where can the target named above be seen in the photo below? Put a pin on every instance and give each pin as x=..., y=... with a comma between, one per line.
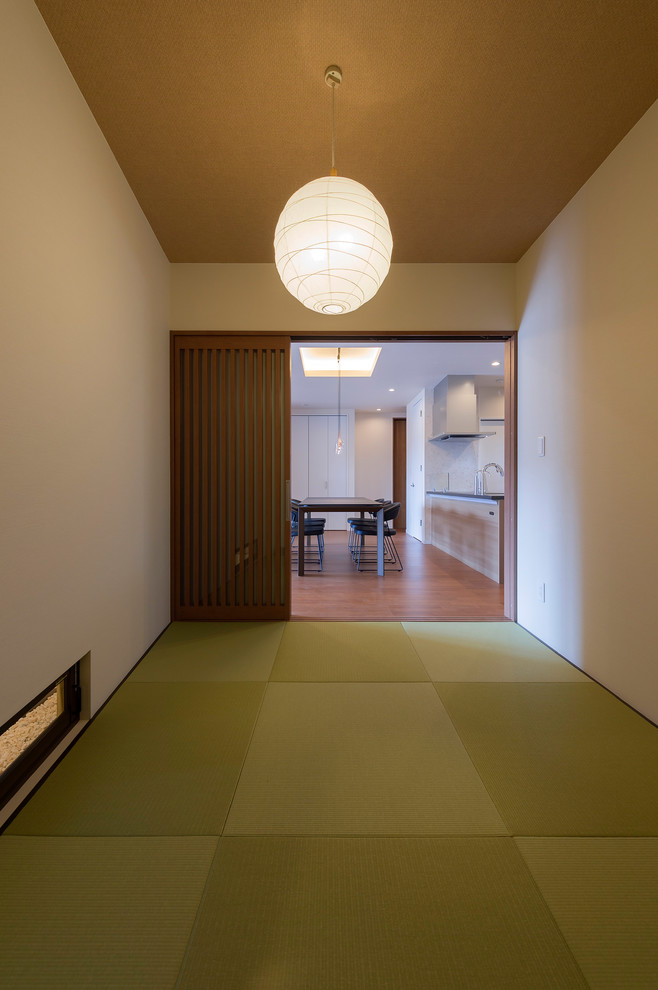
x=341, y=503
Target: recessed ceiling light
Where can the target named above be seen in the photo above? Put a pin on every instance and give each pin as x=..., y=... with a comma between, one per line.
x=495, y=364
x=355, y=362
x=391, y=390
x=378, y=410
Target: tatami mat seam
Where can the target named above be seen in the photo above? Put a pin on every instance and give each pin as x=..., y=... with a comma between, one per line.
x=585, y=836
x=555, y=921
x=466, y=750
x=245, y=754
x=436, y=684
x=363, y=680
x=195, y=923
x=360, y=836
x=413, y=647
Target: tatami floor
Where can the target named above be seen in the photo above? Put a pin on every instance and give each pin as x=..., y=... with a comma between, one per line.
x=329, y=805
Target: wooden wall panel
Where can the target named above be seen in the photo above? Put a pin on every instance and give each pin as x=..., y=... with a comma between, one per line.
x=230, y=465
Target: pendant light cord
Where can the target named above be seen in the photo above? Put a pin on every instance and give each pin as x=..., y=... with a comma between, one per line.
x=333, y=136
x=339, y=438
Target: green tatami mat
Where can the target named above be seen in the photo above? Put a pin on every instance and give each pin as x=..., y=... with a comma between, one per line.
x=98, y=912
x=160, y=759
x=347, y=651
x=375, y=914
x=559, y=759
x=604, y=895
x=356, y=759
x=486, y=651
x=212, y=651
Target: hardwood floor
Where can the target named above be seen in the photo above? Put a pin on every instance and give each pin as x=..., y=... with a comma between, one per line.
x=433, y=585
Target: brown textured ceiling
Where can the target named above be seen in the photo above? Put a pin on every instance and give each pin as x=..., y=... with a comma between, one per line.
x=472, y=121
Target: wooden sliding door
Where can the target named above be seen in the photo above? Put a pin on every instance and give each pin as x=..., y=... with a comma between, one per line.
x=230, y=470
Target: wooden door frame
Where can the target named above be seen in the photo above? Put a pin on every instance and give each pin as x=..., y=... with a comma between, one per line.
x=509, y=339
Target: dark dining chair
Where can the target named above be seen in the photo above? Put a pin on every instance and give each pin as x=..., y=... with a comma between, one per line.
x=312, y=528
x=368, y=527
x=351, y=536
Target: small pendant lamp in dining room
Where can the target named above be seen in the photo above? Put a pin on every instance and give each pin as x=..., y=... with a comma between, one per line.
x=332, y=244
x=339, y=438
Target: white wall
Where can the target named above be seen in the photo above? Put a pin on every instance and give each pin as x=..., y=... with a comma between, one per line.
x=588, y=354
x=373, y=470
x=413, y=298
x=84, y=501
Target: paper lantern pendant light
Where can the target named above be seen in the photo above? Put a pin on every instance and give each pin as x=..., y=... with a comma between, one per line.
x=332, y=244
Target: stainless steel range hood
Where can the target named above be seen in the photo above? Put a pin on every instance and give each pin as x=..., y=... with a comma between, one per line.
x=461, y=436
x=455, y=410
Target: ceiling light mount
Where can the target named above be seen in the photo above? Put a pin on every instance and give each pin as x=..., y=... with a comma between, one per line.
x=333, y=75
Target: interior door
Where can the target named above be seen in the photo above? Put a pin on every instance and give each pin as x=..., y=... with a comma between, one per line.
x=230, y=413
x=400, y=470
x=415, y=462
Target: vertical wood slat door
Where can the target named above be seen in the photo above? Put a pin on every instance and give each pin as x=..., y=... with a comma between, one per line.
x=230, y=413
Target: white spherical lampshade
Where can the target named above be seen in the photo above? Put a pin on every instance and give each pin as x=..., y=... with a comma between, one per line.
x=332, y=245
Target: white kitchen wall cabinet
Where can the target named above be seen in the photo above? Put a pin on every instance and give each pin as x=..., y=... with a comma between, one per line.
x=316, y=468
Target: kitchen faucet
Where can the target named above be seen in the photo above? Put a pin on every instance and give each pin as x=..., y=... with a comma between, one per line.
x=491, y=464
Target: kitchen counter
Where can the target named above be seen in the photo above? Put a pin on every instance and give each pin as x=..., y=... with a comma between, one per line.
x=470, y=528
x=487, y=497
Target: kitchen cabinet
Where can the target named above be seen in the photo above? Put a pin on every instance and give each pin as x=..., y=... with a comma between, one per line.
x=469, y=528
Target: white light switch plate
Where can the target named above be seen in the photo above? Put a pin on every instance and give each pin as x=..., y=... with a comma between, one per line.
x=541, y=446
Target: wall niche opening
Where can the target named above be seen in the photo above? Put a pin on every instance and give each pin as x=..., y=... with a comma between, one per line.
x=28, y=738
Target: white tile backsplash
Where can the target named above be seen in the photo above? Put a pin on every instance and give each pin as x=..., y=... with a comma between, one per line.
x=454, y=457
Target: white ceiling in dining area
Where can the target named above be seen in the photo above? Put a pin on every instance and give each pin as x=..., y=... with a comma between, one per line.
x=403, y=369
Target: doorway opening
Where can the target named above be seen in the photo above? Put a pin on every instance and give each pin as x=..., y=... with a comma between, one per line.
x=435, y=583
x=400, y=469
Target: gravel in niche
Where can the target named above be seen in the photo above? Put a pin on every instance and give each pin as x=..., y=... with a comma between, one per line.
x=21, y=734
